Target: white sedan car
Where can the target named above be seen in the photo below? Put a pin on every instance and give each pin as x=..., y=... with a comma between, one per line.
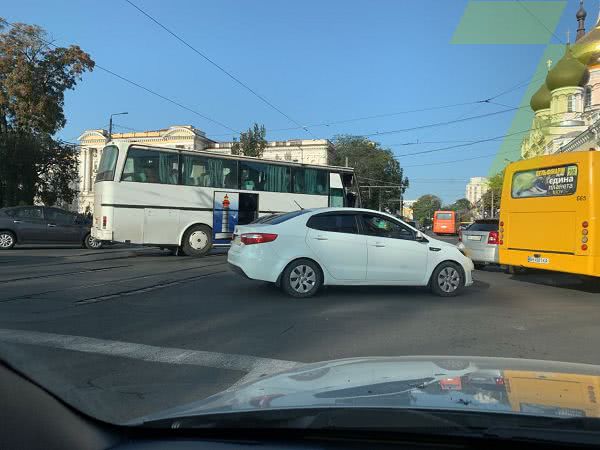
x=304, y=250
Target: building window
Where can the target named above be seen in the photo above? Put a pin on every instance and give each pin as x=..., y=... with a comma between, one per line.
x=588, y=97
x=570, y=103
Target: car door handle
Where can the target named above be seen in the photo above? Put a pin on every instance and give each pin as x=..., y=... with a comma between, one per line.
x=379, y=244
x=321, y=238
x=51, y=225
x=17, y=221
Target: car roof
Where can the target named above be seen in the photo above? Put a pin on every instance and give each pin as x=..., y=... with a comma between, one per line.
x=348, y=209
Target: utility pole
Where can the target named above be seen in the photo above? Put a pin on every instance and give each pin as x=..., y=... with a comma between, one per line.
x=110, y=123
x=401, y=204
x=492, y=206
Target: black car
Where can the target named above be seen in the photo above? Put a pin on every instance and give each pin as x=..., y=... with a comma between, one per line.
x=44, y=225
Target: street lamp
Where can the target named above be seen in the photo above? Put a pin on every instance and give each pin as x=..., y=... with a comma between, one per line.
x=110, y=123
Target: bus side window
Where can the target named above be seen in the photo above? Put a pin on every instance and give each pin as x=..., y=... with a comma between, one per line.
x=310, y=181
x=150, y=166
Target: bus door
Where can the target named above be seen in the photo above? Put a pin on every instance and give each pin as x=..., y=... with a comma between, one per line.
x=231, y=209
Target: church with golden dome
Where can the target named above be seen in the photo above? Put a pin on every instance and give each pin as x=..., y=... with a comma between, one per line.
x=567, y=105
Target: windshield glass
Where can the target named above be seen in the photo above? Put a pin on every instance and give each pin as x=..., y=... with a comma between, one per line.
x=250, y=207
x=108, y=164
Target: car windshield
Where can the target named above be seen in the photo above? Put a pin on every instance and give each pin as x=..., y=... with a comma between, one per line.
x=247, y=207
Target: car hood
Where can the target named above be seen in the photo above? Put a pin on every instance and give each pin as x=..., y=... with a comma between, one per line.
x=532, y=387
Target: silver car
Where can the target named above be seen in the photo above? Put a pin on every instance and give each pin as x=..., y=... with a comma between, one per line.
x=480, y=242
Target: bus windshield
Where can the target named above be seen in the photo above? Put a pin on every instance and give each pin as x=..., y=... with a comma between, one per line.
x=108, y=163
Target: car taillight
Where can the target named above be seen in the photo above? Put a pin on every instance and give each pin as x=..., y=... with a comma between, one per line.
x=257, y=238
x=493, y=238
x=499, y=380
x=104, y=220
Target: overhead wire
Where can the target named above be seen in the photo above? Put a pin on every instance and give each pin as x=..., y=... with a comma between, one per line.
x=448, y=122
x=538, y=20
x=140, y=86
x=218, y=66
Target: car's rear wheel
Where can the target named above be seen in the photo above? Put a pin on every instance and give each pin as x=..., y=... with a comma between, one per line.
x=197, y=240
x=92, y=243
x=7, y=240
x=447, y=279
x=301, y=278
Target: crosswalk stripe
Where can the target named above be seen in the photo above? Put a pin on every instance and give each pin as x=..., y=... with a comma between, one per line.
x=254, y=365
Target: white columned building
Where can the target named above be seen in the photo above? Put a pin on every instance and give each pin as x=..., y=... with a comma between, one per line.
x=185, y=137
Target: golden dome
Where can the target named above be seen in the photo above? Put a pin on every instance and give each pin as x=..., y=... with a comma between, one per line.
x=587, y=49
x=568, y=72
x=541, y=99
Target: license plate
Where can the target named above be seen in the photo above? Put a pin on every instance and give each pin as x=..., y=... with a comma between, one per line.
x=474, y=238
x=538, y=260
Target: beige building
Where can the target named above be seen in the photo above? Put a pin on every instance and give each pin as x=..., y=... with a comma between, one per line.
x=185, y=137
x=407, y=209
x=476, y=187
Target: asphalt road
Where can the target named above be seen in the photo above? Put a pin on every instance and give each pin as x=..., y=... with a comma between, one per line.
x=126, y=332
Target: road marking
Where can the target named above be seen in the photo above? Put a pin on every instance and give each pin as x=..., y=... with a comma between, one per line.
x=254, y=365
x=154, y=287
x=103, y=283
x=63, y=274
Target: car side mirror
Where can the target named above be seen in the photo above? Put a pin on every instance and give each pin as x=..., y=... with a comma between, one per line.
x=420, y=237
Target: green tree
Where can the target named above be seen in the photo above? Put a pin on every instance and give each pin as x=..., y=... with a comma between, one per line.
x=34, y=75
x=494, y=193
x=463, y=209
x=424, y=208
x=374, y=166
x=252, y=142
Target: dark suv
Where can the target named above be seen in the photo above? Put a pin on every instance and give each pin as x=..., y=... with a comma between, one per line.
x=44, y=225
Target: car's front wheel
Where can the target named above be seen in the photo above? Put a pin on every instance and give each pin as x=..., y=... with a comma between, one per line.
x=7, y=240
x=301, y=278
x=92, y=243
x=447, y=279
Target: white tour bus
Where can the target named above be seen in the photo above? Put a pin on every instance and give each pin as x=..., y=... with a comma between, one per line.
x=193, y=200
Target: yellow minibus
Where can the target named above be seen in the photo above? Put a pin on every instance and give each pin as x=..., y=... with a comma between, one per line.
x=548, y=213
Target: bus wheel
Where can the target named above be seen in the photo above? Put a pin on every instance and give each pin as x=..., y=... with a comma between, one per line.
x=197, y=240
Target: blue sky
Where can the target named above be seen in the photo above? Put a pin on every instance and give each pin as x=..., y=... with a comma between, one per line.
x=318, y=61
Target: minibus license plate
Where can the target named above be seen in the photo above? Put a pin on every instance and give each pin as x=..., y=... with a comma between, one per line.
x=538, y=260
